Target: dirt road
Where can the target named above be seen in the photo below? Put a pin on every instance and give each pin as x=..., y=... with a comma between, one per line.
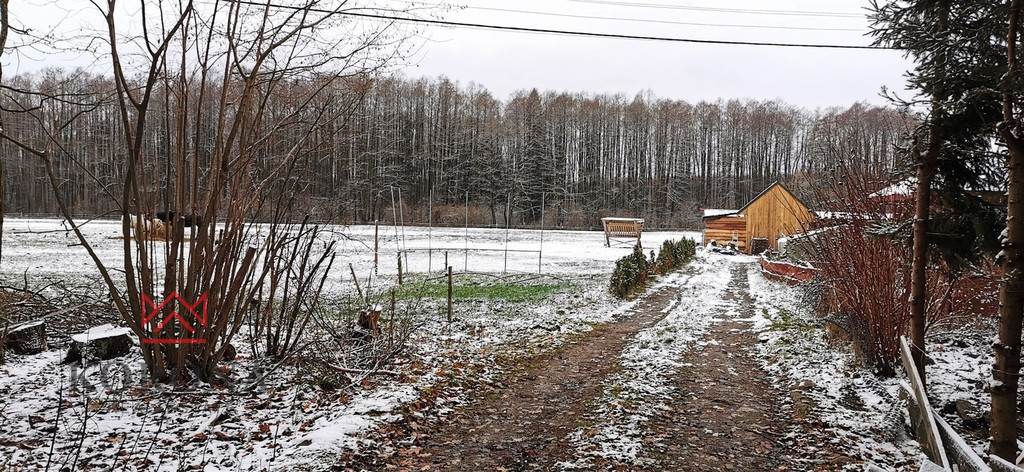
x=723, y=412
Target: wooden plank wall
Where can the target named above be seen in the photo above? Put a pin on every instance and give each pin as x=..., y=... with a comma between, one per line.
x=777, y=213
x=722, y=229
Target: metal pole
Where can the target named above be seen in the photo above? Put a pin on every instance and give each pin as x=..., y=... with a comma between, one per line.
x=376, y=244
x=465, y=263
x=401, y=216
x=430, y=230
x=540, y=253
x=508, y=216
x=394, y=219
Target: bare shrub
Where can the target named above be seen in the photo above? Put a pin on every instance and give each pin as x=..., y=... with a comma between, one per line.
x=867, y=282
x=295, y=279
x=480, y=215
x=246, y=98
x=864, y=259
x=449, y=215
x=342, y=354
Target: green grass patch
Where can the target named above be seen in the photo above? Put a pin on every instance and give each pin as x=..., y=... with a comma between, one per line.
x=498, y=291
x=786, y=321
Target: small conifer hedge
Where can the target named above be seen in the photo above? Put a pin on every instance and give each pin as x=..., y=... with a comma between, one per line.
x=630, y=275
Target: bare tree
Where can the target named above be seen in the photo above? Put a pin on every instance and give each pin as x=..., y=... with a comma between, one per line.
x=576, y=154
x=219, y=107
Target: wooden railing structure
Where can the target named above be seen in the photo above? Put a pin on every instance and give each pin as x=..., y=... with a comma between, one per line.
x=945, y=449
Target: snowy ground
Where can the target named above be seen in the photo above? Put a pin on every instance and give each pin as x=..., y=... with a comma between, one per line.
x=862, y=410
x=633, y=395
x=108, y=415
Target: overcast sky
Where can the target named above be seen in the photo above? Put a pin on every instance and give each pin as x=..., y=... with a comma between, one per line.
x=505, y=62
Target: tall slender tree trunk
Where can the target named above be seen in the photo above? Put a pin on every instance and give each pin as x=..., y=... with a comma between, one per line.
x=1005, y=372
x=4, y=28
x=919, y=269
x=926, y=164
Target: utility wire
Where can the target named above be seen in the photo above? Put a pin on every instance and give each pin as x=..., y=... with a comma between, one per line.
x=585, y=34
x=723, y=10
x=664, y=22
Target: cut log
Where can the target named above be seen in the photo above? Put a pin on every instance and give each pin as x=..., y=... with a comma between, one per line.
x=230, y=353
x=100, y=343
x=29, y=338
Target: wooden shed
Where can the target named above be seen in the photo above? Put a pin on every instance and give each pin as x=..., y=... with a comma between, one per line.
x=725, y=226
x=774, y=213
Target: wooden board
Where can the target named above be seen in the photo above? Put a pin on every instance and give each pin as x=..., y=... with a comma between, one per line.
x=724, y=228
x=922, y=416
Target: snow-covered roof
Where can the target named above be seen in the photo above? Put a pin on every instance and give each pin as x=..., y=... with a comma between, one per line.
x=845, y=215
x=712, y=212
x=903, y=188
x=907, y=186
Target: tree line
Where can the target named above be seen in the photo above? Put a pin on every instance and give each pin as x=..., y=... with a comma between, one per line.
x=451, y=152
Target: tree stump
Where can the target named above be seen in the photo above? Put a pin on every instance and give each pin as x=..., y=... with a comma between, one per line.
x=367, y=325
x=100, y=343
x=29, y=338
x=370, y=319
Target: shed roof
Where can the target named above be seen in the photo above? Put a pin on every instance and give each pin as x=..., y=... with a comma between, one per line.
x=770, y=187
x=715, y=213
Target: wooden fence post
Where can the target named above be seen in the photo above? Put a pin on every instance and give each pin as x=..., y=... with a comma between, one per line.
x=359, y=290
x=449, y=294
x=399, y=267
x=376, y=243
x=391, y=319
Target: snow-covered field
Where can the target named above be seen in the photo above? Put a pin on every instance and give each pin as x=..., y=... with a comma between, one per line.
x=46, y=248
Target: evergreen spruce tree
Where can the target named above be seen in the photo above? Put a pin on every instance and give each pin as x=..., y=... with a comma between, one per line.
x=956, y=69
x=966, y=57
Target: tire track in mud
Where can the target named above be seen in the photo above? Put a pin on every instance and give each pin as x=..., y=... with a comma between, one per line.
x=526, y=424
x=722, y=412
x=726, y=414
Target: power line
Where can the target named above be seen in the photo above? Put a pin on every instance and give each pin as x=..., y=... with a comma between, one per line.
x=522, y=29
x=723, y=10
x=664, y=22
